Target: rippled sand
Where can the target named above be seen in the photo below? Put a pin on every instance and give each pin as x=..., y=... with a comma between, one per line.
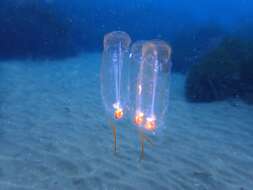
x=54, y=135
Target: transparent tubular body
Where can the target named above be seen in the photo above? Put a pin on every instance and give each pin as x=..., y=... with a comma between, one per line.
x=114, y=73
x=136, y=59
x=152, y=85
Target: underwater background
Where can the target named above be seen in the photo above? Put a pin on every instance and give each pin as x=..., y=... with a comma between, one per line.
x=54, y=132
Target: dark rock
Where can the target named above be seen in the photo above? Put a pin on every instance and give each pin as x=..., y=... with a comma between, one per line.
x=217, y=76
x=247, y=76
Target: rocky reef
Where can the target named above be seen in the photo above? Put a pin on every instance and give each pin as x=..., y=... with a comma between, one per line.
x=226, y=71
x=247, y=77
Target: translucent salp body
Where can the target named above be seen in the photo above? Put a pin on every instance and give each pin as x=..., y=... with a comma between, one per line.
x=152, y=84
x=114, y=73
x=135, y=61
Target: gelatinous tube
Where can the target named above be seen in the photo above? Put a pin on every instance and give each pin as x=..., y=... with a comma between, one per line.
x=114, y=73
x=136, y=59
x=152, y=84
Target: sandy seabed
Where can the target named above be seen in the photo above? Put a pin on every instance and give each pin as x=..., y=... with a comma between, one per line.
x=54, y=135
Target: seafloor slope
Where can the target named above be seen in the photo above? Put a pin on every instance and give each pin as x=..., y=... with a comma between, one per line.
x=53, y=135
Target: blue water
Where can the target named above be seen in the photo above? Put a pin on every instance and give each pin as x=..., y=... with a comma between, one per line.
x=54, y=133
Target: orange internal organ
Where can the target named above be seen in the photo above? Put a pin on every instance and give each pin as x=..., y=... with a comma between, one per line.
x=118, y=113
x=138, y=119
x=150, y=124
